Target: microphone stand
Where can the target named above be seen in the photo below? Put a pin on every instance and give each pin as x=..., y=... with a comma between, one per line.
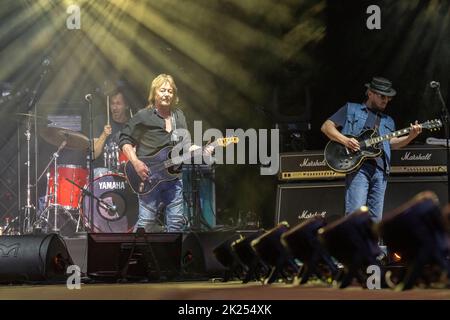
x=32, y=105
x=86, y=192
x=445, y=120
x=88, y=98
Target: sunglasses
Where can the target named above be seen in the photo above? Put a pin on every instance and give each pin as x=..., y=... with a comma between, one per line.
x=383, y=97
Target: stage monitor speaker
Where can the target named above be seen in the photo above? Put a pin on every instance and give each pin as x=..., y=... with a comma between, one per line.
x=130, y=255
x=77, y=247
x=300, y=201
x=198, y=259
x=33, y=258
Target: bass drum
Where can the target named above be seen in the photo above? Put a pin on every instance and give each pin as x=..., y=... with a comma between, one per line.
x=118, y=213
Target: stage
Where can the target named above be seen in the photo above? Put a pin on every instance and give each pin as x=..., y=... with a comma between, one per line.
x=95, y=94
x=209, y=290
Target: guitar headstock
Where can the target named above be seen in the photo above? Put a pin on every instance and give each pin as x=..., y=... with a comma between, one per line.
x=432, y=124
x=223, y=142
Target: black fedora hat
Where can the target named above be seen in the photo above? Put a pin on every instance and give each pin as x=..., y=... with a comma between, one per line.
x=382, y=86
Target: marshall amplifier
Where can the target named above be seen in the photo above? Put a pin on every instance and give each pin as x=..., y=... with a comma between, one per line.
x=300, y=201
x=308, y=165
x=419, y=160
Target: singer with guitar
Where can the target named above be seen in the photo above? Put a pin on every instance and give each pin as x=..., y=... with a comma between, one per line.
x=150, y=131
x=366, y=185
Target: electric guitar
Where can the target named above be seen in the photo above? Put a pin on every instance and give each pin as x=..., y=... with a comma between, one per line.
x=163, y=168
x=343, y=160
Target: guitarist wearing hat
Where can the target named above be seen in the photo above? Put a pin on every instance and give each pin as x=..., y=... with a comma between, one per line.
x=366, y=185
x=151, y=131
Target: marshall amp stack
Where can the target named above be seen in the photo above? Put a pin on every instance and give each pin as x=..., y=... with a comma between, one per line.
x=308, y=165
x=310, y=188
x=419, y=160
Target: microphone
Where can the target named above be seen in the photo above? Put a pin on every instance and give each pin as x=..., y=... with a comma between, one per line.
x=434, y=84
x=88, y=97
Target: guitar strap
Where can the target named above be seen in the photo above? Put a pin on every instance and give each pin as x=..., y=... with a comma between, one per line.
x=174, y=137
x=376, y=123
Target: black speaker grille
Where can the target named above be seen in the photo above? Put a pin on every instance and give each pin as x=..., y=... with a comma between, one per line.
x=297, y=202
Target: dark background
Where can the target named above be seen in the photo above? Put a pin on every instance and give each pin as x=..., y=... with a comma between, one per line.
x=237, y=64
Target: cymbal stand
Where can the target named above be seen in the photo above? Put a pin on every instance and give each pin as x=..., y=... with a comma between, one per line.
x=55, y=206
x=55, y=190
x=27, y=224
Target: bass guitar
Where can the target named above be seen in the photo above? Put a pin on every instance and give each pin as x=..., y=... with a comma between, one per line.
x=343, y=160
x=164, y=168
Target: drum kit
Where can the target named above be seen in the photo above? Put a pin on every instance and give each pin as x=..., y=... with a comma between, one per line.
x=69, y=191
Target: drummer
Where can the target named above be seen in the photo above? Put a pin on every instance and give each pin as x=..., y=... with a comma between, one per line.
x=115, y=119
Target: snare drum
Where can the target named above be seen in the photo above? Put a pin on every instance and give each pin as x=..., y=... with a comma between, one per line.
x=118, y=213
x=68, y=195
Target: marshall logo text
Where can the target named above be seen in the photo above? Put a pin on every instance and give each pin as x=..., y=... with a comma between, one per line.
x=312, y=163
x=411, y=157
x=306, y=214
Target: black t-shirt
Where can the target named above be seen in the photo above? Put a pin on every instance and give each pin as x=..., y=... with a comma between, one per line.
x=146, y=130
x=116, y=127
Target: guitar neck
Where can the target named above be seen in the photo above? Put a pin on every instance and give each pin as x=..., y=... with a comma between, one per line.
x=398, y=133
x=180, y=159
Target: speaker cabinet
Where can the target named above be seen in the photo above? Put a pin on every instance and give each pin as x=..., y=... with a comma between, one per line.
x=77, y=248
x=129, y=255
x=402, y=189
x=177, y=255
x=198, y=259
x=300, y=201
x=25, y=258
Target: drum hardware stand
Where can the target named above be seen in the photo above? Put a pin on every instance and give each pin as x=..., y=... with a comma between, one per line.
x=105, y=156
x=45, y=215
x=28, y=207
x=33, y=105
x=89, y=98
x=116, y=149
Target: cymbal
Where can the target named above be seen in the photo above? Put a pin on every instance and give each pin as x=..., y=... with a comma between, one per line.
x=29, y=116
x=56, y=136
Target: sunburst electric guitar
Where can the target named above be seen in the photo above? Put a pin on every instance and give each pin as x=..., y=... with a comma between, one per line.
x=163, y=168
x=341, y=159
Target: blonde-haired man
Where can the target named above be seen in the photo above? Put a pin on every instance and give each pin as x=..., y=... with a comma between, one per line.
x=151, y=129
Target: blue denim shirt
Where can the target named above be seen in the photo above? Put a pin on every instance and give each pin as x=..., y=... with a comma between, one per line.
x=356, y=117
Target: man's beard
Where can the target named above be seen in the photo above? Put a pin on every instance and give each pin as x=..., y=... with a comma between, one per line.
x=375, y=107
